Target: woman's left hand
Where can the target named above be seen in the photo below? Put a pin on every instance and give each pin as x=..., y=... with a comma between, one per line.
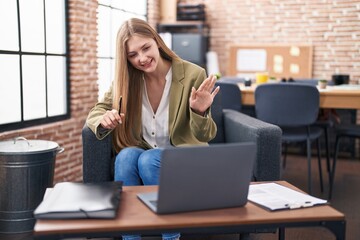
x=202, y=98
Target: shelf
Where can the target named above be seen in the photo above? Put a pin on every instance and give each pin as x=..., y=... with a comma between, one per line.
x=184, y=26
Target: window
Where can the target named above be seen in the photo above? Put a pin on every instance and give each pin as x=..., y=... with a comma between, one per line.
x=111, y=14
x=33, y=63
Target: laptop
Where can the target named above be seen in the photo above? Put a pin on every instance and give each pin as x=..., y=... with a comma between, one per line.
x=202, y=177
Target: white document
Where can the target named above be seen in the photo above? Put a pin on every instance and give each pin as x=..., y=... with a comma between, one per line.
x=253, y=60
x=274, y=196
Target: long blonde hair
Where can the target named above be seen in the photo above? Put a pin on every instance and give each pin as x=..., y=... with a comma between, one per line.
x=128, y=82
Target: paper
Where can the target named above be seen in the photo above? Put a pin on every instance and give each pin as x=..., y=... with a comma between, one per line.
x=346, y=87
x=274, y=196
x=251, y=60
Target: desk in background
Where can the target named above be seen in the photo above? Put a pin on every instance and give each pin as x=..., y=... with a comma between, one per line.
x=331, y=97
x=135, y=217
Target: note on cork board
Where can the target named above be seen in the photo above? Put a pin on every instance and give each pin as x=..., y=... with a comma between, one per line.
x=280, y=61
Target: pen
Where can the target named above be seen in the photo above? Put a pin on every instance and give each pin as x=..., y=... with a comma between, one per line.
x=299, y=205
x=120, y=103
x=308, y=204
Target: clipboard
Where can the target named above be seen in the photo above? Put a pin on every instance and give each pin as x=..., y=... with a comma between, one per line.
x=273, y=197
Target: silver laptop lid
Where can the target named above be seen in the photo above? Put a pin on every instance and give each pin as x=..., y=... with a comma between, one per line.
x=205, y=177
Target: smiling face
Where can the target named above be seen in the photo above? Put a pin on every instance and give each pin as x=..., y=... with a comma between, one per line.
x=143, y=53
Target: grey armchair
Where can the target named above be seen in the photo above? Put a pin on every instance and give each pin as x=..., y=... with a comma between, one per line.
x=233, y=126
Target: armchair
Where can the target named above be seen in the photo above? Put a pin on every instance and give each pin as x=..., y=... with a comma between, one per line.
x=233, y=126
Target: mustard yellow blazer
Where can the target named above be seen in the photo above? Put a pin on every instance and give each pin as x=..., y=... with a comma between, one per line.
x=185, y=126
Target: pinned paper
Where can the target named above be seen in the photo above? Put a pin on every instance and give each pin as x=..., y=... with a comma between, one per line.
x=251, y=60
x=278, y=64
x=295, y=51
x=294, y=68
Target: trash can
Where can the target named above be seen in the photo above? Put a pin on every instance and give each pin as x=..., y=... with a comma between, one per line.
x=26, y=170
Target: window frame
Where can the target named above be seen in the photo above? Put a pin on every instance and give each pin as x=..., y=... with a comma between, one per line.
x=111, y=57
x=47, y=119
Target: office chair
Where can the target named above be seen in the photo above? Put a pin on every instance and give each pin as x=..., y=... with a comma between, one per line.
x=325, y=124
x=294, y=108
x=351, y=131
x=230, y=95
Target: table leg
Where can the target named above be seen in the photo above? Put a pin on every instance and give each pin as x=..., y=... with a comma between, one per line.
x=337, y=228
x=281, y=233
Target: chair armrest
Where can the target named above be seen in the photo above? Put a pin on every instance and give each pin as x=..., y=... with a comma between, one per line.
x=97, y=157
x=239, y=127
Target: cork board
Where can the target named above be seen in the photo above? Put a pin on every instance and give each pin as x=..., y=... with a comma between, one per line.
x=280, y=61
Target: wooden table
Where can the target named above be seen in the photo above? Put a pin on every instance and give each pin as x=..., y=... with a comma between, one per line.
x=135, y=217
x=331, y=97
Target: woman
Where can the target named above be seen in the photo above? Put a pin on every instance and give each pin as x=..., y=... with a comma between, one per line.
x=165, y=102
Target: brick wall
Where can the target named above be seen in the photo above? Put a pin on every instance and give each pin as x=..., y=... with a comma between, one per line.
x=153, y=13
x=332, y=27
x=83, y=93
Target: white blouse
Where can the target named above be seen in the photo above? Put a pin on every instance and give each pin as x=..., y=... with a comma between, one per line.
x=155, y=127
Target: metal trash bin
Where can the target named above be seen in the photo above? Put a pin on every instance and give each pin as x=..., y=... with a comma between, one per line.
x=26, y=170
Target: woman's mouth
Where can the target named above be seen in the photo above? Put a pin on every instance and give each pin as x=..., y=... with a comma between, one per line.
x=146, y=64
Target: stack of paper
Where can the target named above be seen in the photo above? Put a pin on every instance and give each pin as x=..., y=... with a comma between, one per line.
x=274, y=196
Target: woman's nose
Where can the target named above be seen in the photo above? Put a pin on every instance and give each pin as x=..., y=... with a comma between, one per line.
x=142, y=58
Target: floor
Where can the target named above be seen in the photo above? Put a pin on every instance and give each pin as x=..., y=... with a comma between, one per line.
x=346, y=198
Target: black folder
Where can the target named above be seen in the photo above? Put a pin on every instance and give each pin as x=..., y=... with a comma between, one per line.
x=69, y=200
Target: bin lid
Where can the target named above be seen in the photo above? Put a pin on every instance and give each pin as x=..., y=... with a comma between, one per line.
x=24, y=146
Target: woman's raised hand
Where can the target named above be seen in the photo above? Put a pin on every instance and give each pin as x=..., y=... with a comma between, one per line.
x=202, y=98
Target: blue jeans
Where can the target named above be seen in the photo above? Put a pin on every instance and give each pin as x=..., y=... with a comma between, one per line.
x=136, y=166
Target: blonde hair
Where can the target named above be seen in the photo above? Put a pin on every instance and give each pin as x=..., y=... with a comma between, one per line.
x=128, y=82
